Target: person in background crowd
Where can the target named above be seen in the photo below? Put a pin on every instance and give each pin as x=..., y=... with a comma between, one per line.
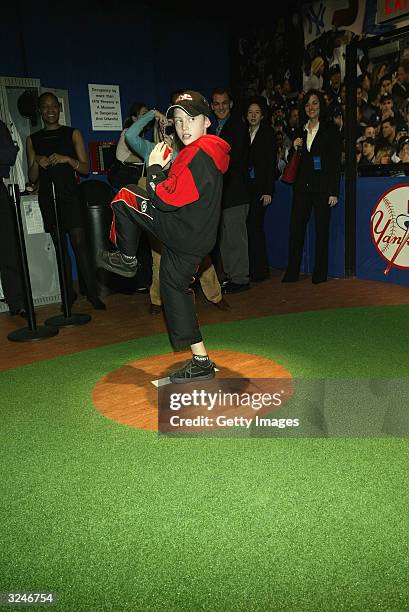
x=365, y=82
x=10, y=271
x=403, y=150
x=317, y=74
x=293, y=122
x=404, y=111
x=383, y=156
x=388, y=138
x=400, y=90
x=337, y=118
x=54, y=155
x=358, y=151
x=368, y=152
x=123, y=153
x=261, y=178
x=268, y=91
x=316, y=186
x=402, y=132
x=334, y=81
x=385, y=85
x=235, y=200
x=369, y=132
x=386, y=106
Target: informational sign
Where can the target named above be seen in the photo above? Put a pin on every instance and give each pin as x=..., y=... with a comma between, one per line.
x=34, y=220
x=392, y=9
x=105, y=107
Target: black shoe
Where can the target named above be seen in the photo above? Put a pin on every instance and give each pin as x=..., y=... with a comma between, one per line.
x=155, y=309
x=317, y=281
x=222, y=304
x=192, y=371
x=97, y=303
x=115, y=262
x=231, y=287
x=18, y=311
x=288, y=278
x=259, y=279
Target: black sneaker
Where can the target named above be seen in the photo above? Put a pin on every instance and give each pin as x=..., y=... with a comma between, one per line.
x=192, y=371
x=115, y=262
x=231, y=287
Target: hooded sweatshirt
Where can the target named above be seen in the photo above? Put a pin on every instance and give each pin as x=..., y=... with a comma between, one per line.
x=190, y=195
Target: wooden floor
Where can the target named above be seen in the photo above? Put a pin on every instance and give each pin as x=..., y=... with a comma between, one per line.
x=128, y=317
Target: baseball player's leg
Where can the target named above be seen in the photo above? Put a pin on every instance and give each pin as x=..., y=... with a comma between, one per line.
x=133, y=212
x=176, y=273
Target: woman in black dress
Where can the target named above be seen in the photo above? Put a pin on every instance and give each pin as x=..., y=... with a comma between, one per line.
x=55, y=154
x=261, y=177
x=316, y=187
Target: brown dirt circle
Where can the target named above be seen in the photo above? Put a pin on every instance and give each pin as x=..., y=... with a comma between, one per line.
x=126, y=395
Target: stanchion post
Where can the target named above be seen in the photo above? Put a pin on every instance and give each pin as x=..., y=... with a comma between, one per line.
x=67, y=319
x=32, y=332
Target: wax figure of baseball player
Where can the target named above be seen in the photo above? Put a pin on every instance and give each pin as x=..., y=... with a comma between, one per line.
x=182, y=209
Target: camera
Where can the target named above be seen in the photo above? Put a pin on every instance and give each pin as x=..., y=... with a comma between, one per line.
x=169, y=129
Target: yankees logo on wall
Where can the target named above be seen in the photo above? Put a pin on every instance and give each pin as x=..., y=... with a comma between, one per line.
x=390, y=227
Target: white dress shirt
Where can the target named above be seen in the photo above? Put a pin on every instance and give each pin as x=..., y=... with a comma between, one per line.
x=311, y=134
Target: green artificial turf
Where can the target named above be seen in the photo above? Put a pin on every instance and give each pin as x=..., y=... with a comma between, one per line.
x=113, y=518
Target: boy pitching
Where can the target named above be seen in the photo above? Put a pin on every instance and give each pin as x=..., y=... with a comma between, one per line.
x=182, y=210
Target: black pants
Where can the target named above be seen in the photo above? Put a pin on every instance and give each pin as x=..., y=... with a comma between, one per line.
x=79, y=245
x=303, y=203
x=258, y=261
x=133, y=213
x=10, y=269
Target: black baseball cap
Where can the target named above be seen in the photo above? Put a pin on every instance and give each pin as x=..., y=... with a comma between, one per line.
x=402, y=142
x=386, y=96
x=369, y=140
x=334, y=69
x=192, y=102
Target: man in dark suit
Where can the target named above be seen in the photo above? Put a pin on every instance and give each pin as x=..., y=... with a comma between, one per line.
x=235, y=201
x=9, y=265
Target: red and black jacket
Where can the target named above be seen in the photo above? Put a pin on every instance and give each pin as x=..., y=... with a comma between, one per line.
x=191, y=195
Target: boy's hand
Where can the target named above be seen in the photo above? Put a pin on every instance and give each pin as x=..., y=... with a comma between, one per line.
x=161, y=155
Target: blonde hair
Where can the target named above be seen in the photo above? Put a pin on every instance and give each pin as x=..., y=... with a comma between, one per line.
x=381, y=152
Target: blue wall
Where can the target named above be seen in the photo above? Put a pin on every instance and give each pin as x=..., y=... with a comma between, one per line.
x=277, y=221
x=147, y=53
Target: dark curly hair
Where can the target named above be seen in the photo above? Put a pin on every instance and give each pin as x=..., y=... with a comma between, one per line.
x=323, y=116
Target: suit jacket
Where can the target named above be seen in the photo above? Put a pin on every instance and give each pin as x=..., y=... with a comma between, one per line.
x=327, y=147
x=8, y=151
x=263, y=160
x=235, y=192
